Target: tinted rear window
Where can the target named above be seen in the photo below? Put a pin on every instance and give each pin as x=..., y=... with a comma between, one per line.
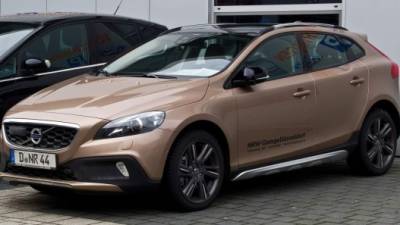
x=352, y=49
x=149, y=32
x=111, y=42
x=129, y=32
x=324, y=51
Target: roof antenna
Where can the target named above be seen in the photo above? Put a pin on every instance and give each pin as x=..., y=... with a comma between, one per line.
x=119, y=5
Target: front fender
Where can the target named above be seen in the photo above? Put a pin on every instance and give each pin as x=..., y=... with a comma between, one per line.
x=179, y=119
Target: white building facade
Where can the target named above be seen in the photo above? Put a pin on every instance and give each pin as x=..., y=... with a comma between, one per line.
x=377, y=18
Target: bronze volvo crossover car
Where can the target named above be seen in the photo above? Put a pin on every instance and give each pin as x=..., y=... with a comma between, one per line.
x=203, y=104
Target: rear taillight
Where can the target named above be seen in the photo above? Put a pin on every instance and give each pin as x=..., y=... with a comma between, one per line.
x=395, y=70
x=394, y=67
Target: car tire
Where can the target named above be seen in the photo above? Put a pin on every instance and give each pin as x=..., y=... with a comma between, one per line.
x=377, y=145
x=195, y=171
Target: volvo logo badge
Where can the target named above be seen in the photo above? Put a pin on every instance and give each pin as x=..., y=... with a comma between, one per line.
x=36, y=136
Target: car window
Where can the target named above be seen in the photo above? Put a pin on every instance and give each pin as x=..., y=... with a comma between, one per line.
x=113, y=40
x=324, y=51
x=352, y=49
x=8, y=68
x=196, y=54
x=277, y=57
x=65, y=47
x=149, y=32
x=129, y=32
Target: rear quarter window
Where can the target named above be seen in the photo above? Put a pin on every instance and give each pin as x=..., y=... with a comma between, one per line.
x=129, y=32
x=327, y=50
x=111, y=41
x=149, y=32
x=352, y=49
x=324, y=51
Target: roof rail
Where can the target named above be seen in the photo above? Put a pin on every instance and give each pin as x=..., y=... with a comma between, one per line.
x=303, y=24
x=27, y=13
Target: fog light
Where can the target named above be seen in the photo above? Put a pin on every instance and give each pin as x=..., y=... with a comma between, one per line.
x=122, y=169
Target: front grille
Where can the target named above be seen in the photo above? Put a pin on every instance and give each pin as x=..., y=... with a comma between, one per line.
x=60, y=174
x=48, y=137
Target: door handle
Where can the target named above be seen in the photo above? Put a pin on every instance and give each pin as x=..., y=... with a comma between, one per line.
x=357, y=81
x=301, y=93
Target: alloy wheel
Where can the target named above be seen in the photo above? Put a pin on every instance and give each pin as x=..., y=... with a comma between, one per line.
x=199, y=172
x=381, y=142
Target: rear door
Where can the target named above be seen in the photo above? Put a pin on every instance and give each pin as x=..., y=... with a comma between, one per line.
x=341, y=86
x=275, y=116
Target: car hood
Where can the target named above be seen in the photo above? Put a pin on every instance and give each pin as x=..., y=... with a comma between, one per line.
x=113, y=97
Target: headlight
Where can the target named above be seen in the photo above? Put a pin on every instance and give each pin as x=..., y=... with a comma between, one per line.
x=131, y=125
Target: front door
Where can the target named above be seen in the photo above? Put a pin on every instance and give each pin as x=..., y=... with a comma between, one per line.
x=275, y=115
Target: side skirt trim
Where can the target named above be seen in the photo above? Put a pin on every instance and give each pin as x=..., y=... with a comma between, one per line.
x=292, y=165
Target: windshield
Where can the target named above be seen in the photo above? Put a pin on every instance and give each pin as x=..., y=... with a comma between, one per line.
x=11, y=34
x=182, y=54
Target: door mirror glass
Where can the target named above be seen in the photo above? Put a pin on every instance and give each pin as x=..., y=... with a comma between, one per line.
x=248, y=76
x=254, y=73
x=249, y=73
x=33, y=66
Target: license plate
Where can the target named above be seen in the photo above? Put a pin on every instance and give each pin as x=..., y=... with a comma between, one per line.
x=34, y=160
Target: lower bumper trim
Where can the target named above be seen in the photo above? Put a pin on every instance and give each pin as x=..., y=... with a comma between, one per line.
x=73, y=185
x=292, y=165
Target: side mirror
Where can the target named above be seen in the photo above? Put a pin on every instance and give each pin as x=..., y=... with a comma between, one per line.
x=33, y=66
x=248, y=76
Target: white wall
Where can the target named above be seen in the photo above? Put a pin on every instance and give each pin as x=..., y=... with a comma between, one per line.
x=378, y=19
x=171, y=13
x=131, y=8
x=17, y=6
x=179, y=12
x=71, y=6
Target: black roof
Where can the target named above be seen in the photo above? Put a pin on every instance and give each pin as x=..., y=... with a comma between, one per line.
x=249, y=29
x=40, y=19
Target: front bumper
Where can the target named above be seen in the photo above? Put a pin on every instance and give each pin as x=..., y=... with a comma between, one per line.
x=93, y=161
x=98, y=174
x=78, y=186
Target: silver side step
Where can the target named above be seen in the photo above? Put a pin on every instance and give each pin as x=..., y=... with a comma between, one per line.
x=292, y=165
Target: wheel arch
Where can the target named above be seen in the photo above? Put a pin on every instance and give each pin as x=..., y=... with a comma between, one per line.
x=213, y=129
x=390, y=108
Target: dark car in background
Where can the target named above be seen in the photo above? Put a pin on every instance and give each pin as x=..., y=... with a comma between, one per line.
x=38, y=50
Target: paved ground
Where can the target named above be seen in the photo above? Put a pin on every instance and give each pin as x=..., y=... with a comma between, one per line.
x=324, y=195
x=4, y=185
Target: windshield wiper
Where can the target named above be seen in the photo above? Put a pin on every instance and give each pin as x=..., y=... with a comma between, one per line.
x=148, y=75
x=103, y=73
x=162, y=76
